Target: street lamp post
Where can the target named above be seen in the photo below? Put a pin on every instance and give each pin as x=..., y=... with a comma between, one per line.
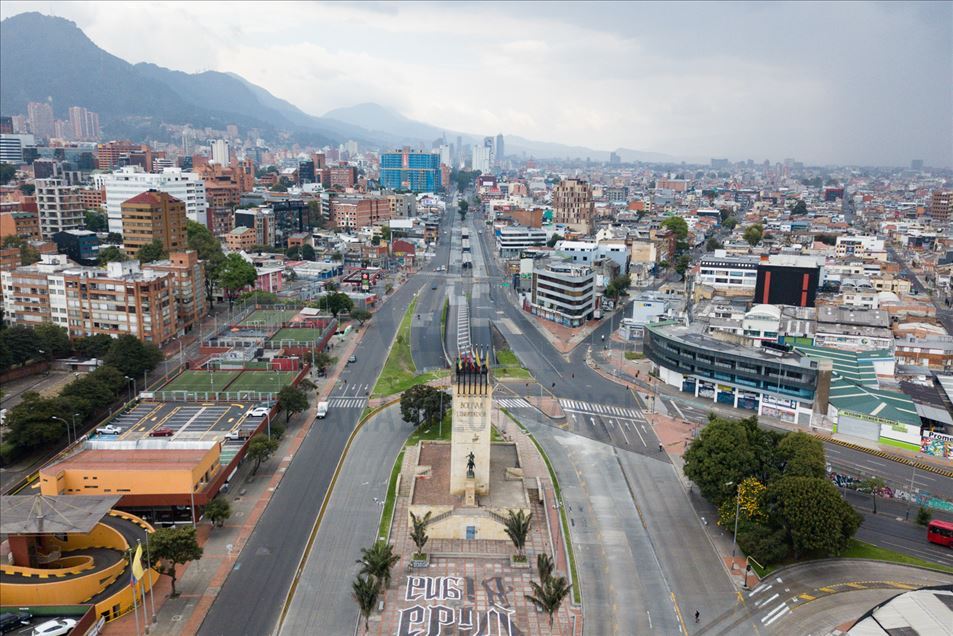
x=53, y=417
x=734, y=541
x=131, y=381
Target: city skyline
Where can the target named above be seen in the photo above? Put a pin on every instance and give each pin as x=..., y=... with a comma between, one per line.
x=824, y=84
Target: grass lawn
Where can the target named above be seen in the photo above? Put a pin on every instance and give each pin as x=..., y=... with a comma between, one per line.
x=634, y=355
x=388, y=512
x=399, y=372
x=576, y=594
x=200, y=381
x=509, y=366
x=296, y=334
x=860, y=550
x=264, y=381
x=267, y=317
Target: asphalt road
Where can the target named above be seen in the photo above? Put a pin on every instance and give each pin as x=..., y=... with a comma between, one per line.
x=426, y=350
x=322, y=602
x=253, y=593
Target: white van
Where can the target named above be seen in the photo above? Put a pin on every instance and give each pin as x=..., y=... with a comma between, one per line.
x=322, y=410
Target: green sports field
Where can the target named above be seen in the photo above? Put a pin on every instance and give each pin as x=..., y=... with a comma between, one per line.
x=201, y=381
x=299, y=334
x=263, y=381
x=268, y=317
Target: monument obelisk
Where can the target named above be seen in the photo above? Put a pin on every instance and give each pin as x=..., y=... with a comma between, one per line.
x=470, y=436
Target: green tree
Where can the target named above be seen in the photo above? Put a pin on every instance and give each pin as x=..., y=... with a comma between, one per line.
x=31, y=423
x=171, y=547
x=423, y=404
x=516, y=526
x=802, y=455
x=20, y=344
x=95, y=346
x=152, y=251
x=96, y=221
x=307, y=252
x=419, y=533
x=235, y=274
x=730, y=223
x=7, y=172
x=463, y=207
x=361, y=315
x=260, y=448
x=753, y=234
x=111, y=254
x=52, y=339
x=377, y=561
x=762, y=542
x=678, y=227
x=364, y=589
x=549, y=595
x=293, y=252
x=799, y=209
x=555, y=238
x=209, y=249
x=723, y=453
x=872, y=485
x=713, y=244
x=923, y=516
x=292, y=400
x=682, y=263
x=322, y=360
x=132, y=356
x=114, y=238
x=218, y=511
x=544, y=567
x=813, y=515
x=91, y=390
x=826, y=239
x=337, y=303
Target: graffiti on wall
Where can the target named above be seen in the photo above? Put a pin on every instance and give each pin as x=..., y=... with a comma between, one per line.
x=937, y=445
x=924, y=499
x=455, y=611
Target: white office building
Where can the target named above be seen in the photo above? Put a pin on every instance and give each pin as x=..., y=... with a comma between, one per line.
x=220, y=152
x=130, y=181
x=563, y=292
x=510, y=241
x=11, y=147
x=728, y=273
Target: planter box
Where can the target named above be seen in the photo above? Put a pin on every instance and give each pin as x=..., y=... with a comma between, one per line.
x=519, y=564
x=420, y=561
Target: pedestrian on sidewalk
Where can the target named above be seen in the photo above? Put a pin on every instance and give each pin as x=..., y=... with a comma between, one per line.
x=697, y=615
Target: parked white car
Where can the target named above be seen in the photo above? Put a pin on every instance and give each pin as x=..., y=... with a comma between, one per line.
x=57, y=627
x=258, y=411
x=109, y=429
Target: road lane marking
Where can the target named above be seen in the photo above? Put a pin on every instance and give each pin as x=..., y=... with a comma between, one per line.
x=680, y=413
x=625, y=436
x=764, y=602
x=807, y=597
x=640, y=436
x=784, y=611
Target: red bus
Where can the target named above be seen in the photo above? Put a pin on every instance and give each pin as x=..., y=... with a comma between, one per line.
x=940, y=532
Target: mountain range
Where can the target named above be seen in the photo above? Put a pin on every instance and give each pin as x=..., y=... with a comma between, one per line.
x=45, y=57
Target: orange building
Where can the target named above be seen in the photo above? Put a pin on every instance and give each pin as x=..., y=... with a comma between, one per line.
x=108, y=154
x=153, y=215
x=23, y=224
x=241, y=239
x=188, y=275
x=358, y=212
x=92, y=198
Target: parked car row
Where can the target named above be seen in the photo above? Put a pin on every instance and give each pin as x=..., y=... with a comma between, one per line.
x=11, y=621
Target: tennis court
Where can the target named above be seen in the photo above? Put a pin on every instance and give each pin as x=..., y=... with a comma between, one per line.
x=203, y=381
x=265, y=317
x=300, y=334
x=262, y=381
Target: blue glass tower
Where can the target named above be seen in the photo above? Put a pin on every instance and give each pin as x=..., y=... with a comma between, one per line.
x=411, y=170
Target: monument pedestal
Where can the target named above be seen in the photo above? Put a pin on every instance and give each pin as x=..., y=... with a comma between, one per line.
x=469, y=493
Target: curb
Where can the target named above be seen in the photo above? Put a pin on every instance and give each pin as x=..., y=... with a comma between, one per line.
x=878, y=453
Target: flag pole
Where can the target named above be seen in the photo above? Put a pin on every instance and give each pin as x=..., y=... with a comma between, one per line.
x=132, y=582
x=152, y=585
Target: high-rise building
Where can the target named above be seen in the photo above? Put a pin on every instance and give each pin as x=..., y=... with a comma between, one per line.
x=20, y=126
x=82, y=122
x=342, y=176
x=125, y=183
x=109, y=154
x=941, y=207
x=6, y=125
x=461, y=157
x=59, y=207
x=916, y=164
x=353, y=213
x=232, y=131
x=41, y=119
x=151, y=216
x=11, y=147
x=445, y=155
x=499, y=149
x=572, y=204
x=306, y=172
x=188, y=275
x=481, y=158
x=220, y=152
x=412, y=170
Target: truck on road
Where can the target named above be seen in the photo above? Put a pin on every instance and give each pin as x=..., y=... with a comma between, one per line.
x=322, y=410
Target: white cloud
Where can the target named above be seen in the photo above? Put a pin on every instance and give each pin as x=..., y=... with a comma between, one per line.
x=821, y=82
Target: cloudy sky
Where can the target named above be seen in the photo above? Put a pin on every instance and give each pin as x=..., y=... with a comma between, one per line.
x=851, y=82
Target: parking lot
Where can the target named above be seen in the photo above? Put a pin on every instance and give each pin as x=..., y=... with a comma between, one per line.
x=188, y=421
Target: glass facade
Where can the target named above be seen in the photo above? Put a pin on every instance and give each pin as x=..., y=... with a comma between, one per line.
x=414, y=171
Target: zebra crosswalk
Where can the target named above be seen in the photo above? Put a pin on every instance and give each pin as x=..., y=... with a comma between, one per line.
x=348, y=403
x=577, y=406
x=514, y=403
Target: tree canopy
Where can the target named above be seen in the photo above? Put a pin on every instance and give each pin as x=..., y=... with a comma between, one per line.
x=171, y=547
x=753, y=234
x=292, y=400
x=260, y=448
x=235, y=274
x=152, y=251
x=132, y=356
x=111, y=254
x=677, y=225
x=96, y=221
x=422, y=404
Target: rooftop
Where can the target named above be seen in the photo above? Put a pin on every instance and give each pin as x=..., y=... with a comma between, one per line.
x=38, y=514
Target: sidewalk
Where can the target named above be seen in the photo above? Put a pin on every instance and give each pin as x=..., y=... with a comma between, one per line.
x=200, y=582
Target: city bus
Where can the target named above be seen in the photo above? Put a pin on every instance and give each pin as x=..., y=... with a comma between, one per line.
x=940, y=532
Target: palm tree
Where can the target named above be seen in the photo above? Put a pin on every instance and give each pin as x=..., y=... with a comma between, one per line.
x=549, y=595
x=544, y=566
x=377, y=561
x=365, y=593
x=419, y=534
x=517, y=527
